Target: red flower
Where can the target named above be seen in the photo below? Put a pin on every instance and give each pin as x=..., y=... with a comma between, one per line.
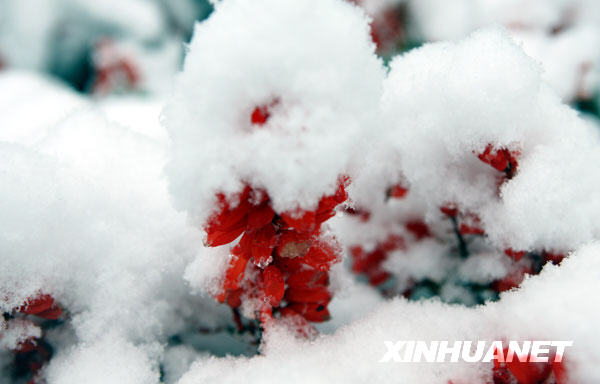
x=300, y=220
x=274, y=285
x=449, y=210
x=321, y=256
x=515, y=255
x=42, y=306
x=263, y=242
x=260, y=216
x=397, y=191
x=308, y=295
x=471, y=226
x=260, y=115
x=307, y=278
x=512, y=280
x=500, y=159
x=554, y=258
x=418, y=228
x=230, y=222
x=283, y=248
x=528, y=372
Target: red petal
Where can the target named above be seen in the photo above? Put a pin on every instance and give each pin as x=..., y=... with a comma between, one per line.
x=359, y=259
x=555, y=258
x=377, y=277
x=234, y=298
x=51, y=314
x=217, y=238
x=560, y=373
x=516, y=256
x=418, y=228
x=235, y=272
x=263, y=242
x=323, y=217
x=290, y=266
x=37, y=305
x=307, y=279
x=499, y=159
x=450, y=210
x=326, y=204
x=302, y=221
x=392, y=243
x=368, y=261
x=28, y=345
x=528, y=372
x=499, y=162
x=465, y=229
x=308, y=295
x=243, y=248
x=340, y=194
x=229, y=217
x=398, y=191
x=260, y=216
x=223, y=227
x=260, y=115
x=321, y=256
x=274, y=285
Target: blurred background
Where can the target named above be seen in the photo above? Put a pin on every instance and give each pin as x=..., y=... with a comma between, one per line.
x=136, y=46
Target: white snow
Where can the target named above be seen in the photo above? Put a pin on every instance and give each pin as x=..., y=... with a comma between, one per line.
x=102, y=199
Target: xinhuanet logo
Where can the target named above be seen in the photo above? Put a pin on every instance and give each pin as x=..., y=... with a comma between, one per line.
x=416, y=351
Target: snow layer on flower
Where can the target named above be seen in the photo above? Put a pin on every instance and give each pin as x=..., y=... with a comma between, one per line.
x=352, y=354
x=486, y=90
x=311, y=63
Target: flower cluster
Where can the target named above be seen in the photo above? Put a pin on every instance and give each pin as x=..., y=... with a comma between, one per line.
x=370, y=263
x=399, y=215
x=281, y=262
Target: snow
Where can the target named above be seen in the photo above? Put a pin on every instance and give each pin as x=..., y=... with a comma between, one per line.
x=87, y=218
x=557, y=33
x=103, y=198
x=483, y=90
x=322, y=95
x=352, y=354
